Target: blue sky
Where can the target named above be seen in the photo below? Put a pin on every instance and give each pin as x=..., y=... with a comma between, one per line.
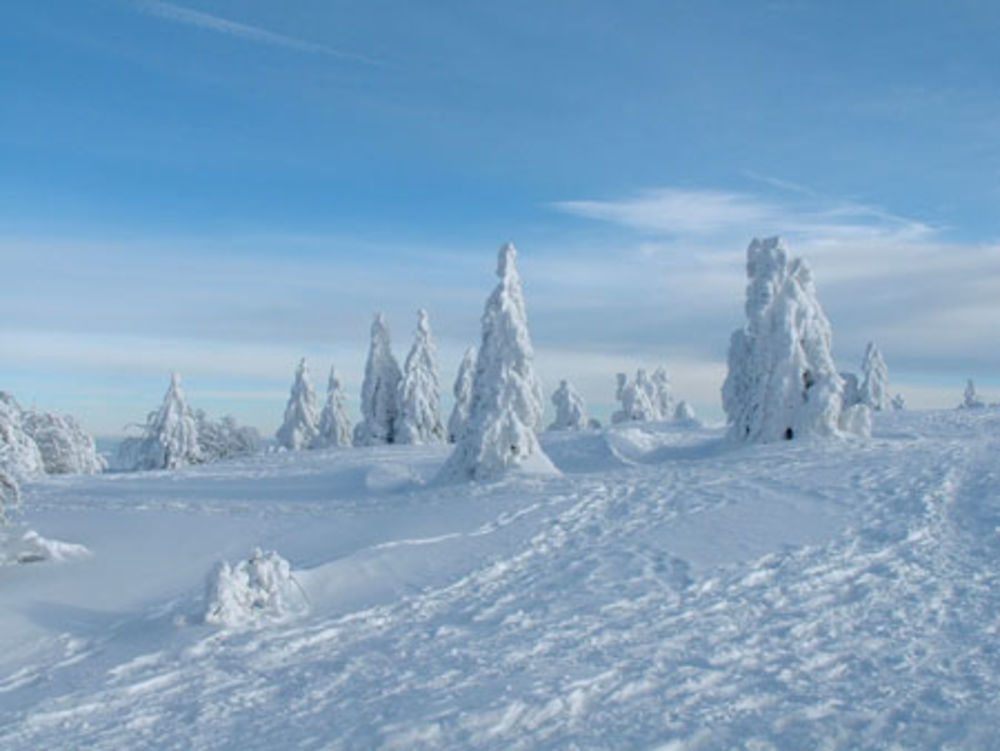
x=222, y=187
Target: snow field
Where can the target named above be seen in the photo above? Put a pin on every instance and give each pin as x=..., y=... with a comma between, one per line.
x=666, y=591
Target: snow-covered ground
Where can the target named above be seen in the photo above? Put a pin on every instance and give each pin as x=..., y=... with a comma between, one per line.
x=668, y=591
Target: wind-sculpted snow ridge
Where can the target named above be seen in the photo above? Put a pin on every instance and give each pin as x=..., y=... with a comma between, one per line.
x=260, y=589
x=782, y=382
x=835, y=595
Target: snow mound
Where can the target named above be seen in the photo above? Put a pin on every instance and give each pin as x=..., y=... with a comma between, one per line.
x=31, y=547
x=258, y=590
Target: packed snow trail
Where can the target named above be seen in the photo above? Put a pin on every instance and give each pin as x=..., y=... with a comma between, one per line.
x=807, y=595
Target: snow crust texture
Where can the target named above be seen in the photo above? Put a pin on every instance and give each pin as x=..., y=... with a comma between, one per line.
x=782, y=382
x=506, y=407
x=380, y=389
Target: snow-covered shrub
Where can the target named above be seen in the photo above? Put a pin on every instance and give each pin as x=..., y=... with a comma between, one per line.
x=418, y=410
x=224, y=439
x=782, y=382
x=684, y=413
x=874, y=389
x=66, y=448
x=571, y=412
x=259, y=589
x=169, y=439
x=506, y=407
x=19, y=454
x=463, y=394
x=298, y=429
x=334, y=424
x=379, y=391
x=898, y=402
x=971, y=398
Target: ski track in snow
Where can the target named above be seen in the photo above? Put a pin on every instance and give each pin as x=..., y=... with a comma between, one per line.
x=833, y=596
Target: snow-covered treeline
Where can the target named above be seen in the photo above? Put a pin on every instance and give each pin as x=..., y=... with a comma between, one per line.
x=33, y=442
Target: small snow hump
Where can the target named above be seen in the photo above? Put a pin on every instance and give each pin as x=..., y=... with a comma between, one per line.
x=252, y=592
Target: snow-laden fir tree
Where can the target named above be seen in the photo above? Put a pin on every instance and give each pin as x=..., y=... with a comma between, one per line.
x=19, y=454
x=971, y=398
x=506, y=407
x=298, y=430
x=224, y=439
x=571, y=411
x=684, y=413
x=379, y=391
x=852, y=388
x=663, y=395
x=463, y=394
x=334, y=424
x=10, y=495
x=170, y=436
x=419, y=411
x=636, y=398
x=874, y=388
x=66, y=448
x=898, y=402
x=782, y=382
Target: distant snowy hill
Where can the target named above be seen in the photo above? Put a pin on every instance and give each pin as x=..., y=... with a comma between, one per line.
x=666, y=591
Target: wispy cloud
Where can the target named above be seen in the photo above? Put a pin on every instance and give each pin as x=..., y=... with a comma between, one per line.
x=201, y=20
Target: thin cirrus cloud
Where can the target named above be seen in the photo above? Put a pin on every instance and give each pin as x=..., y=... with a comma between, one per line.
x=209, y=22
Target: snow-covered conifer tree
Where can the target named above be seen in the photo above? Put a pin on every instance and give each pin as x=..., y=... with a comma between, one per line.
x=298, y=431
x=379, y=391
x=971, y=397
x=170, y=436
x=506, y=407
x=874, y=389
x=334, y=424
x=418, y=409
x=684, y=413
x=463, y=394
x=571, y=412
x=782, y=382
x=898, y=402
x=635, y=396
x=852, y=389
x=66, y=448
x=10, y=495
x=663, y=396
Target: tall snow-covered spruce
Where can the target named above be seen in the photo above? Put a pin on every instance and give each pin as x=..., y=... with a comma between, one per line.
x=506, y=408
x=170, y=436
x=874, y=388
x=334, y=424
x=379, y=392
x=463, y=394
x=419, y=410
x=782, y=382
x=298, y=430
x=571, y=411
